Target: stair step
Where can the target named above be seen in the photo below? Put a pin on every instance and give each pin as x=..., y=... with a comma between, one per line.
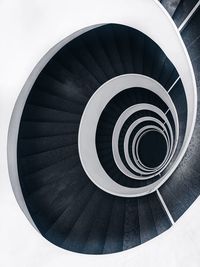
x=115, y=230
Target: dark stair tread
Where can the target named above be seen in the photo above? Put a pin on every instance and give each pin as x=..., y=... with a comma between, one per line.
x=42, y=144
x=46, y=212
x=170, y=5
x=67, y=90
x=45, y=176
x=183, y=11
x=29, y=129
x=106, y=35
x=48, y=100
x=77, y=237
x=160, y=216
x=99, y=53
x=115, y=230
x=30, y=164
x=131, y=224
x=180, y=191
x=97, y=234
x=47, y=114
x=61, y=74
x=74, y=65
x=63, y=225
x=146, y=220
x=88, y=60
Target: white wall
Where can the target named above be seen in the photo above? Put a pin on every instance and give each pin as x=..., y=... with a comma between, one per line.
x=28, y=29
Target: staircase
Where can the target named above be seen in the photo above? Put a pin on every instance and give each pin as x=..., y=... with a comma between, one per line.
x=66, y=206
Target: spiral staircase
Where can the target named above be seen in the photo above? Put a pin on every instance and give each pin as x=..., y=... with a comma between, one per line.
x=102, y=137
